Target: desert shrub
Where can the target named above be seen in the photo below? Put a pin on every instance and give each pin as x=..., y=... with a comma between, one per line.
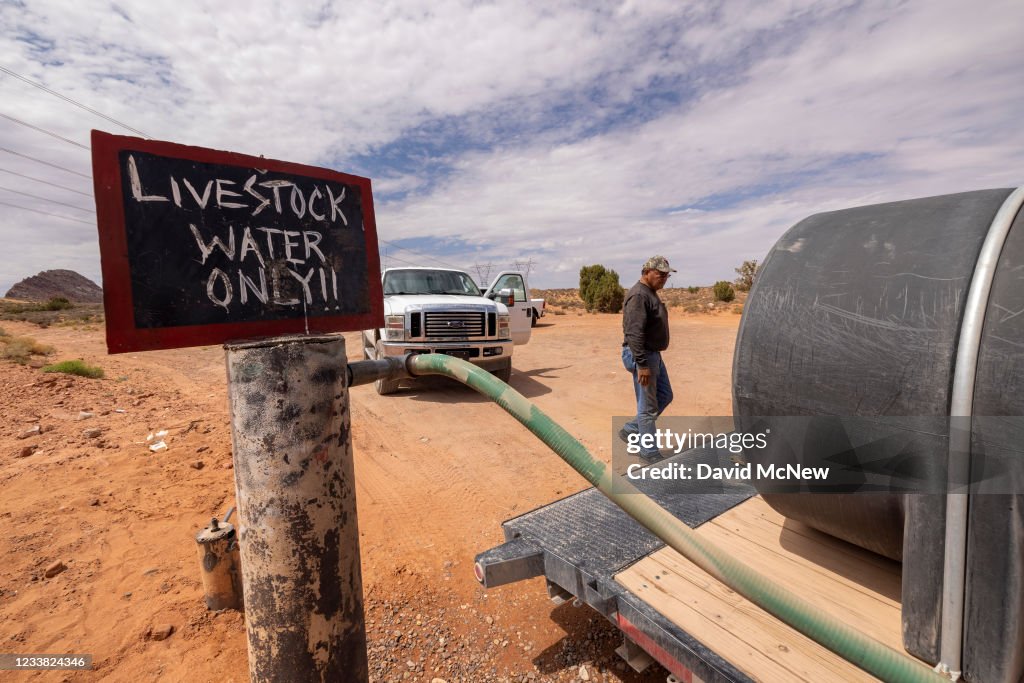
x=50, y=313
x=724, y=291
x=75, y=367
x=20, y=349
x=693, y=290
x=57, y=303
x=589, y=275
x=600, y=289
x=738, y=310
x=608, y=294
x=746, y=273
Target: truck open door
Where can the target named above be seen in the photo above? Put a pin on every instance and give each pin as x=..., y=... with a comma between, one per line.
x=520, y=310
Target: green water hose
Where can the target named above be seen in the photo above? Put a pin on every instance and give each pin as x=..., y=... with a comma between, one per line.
x=850, y=644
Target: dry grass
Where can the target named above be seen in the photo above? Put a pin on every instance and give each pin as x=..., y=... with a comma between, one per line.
x=21, y=349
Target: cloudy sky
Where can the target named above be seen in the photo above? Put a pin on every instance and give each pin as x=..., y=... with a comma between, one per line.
x=556, y=133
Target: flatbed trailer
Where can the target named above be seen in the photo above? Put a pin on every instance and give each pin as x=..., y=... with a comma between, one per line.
x=672, y=612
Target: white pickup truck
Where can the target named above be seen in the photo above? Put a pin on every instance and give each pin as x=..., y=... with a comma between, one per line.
x=516, y=281
x=437, y=310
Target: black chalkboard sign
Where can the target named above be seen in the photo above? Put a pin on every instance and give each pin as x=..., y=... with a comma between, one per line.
x=200, y=246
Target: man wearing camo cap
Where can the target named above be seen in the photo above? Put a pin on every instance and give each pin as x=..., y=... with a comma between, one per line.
x=645, y=336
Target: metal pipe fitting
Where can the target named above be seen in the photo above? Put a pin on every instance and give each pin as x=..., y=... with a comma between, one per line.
x=368, y=371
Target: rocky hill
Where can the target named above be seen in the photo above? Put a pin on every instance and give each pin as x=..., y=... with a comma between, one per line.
x=51, y=283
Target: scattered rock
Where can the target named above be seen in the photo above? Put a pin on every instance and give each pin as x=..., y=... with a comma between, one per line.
x=229, y=465
x=159, y=632
x=31, y=431
x=27, y=451
x=55, y=568
x=158, y=446
x=584, y=674
x=490, y=620
x=197, y=465
x=85, y=415
x=92, y=433
x=438, y=680
x=150, y=571
x=202, y=449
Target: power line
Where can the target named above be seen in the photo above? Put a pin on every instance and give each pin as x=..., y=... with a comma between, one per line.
x=46, y=182
x=40, y=161
x=55, y=215
x=68, y=99
x=417, y=253
x=43, y=130
x=395, y=258
x=46, y=199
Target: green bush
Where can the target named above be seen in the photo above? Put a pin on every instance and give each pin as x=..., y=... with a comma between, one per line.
x=589, y=275
x=724, y=291
x=693, y=290
x=600, y=289
x=608, y=294
x=57, y=303
x=75, y=367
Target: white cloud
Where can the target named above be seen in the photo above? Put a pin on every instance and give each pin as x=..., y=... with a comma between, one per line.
x=582, y=131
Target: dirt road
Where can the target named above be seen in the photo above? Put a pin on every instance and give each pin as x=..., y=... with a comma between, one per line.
x=438, y=469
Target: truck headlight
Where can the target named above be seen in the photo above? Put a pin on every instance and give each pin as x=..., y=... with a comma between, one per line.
x=503, y=326
x=394, y=328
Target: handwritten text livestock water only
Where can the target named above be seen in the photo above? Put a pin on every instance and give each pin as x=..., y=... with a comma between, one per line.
x=256, y=262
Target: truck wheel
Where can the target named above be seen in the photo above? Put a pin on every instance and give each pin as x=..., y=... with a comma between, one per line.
x=533, y=320
x=504, y=373
x=383, y=386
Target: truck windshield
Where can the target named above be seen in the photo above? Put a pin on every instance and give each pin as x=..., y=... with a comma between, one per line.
x=429, y=282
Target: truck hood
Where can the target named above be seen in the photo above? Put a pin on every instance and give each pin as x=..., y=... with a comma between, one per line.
x=411, y=302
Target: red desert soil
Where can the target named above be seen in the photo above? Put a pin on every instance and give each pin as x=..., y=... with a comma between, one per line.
x=438, y=469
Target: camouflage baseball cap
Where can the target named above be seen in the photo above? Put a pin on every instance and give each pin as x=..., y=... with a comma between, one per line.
x=659, y=263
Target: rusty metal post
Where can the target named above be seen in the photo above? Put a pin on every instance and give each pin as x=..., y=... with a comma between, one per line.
x=219, y=564
x=297, y=502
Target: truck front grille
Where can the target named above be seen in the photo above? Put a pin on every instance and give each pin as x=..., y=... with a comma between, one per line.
x=453, y=324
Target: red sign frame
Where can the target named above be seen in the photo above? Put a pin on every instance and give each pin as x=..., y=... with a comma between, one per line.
x=122, y=333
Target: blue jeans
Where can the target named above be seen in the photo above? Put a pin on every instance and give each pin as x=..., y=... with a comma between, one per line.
x=651, y=400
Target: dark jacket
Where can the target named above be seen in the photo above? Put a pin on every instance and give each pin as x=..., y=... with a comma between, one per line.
x=644, y=322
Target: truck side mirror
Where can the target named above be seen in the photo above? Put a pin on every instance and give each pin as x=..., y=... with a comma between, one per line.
x=508, y=297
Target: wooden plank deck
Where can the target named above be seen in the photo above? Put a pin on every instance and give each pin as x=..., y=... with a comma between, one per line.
x=851, y=584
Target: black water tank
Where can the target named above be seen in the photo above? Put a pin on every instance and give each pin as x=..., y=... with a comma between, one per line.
x=859, y=313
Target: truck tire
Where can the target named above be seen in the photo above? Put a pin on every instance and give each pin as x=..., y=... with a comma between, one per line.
x=533, y=319
x=504, y=373
x=383, y=386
